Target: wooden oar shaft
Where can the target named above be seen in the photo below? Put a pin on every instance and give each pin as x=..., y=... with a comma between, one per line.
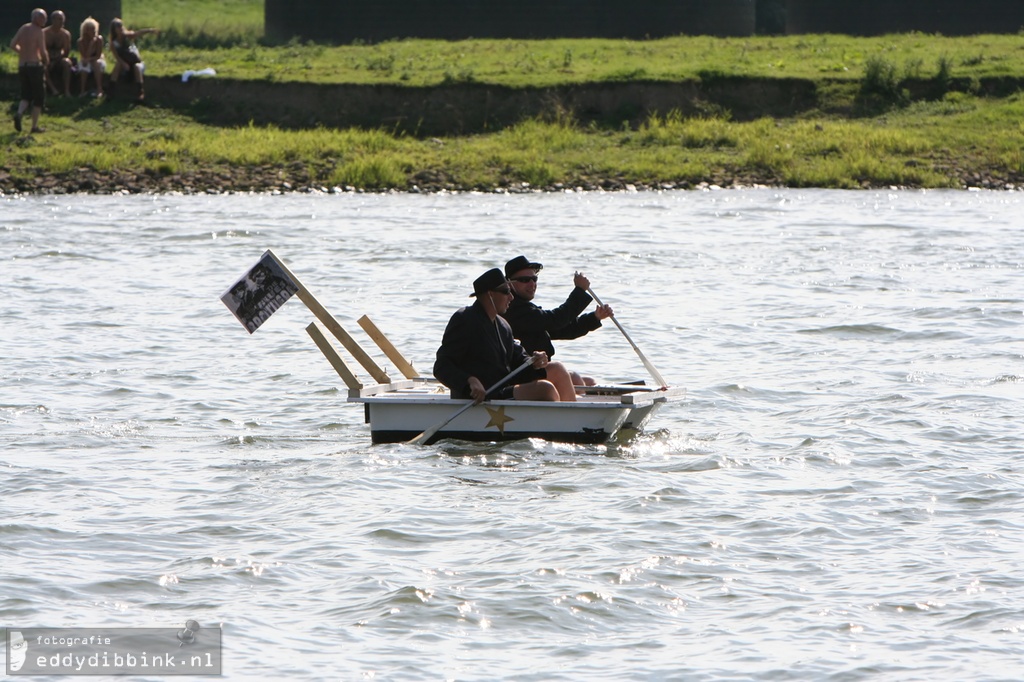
x=643, y=358
x=429, y=433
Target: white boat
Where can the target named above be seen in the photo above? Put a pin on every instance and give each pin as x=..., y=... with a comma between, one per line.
x=400, y=411
x=419, y=409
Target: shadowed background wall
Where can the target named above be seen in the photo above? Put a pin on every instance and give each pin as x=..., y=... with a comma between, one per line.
x=344, y=21
x=878, y=17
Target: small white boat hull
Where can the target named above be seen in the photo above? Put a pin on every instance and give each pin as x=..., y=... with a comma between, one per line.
x=399, y=414
x=399, y=411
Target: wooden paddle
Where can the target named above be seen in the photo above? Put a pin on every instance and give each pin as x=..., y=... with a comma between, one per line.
x=429, y=433
x=643, y=358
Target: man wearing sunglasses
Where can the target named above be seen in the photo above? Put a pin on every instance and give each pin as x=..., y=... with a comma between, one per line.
x=478, y=350
x=535, y=327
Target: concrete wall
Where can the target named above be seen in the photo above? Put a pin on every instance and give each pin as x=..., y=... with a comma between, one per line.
x=14, y=13
x=878, y=17
x=345, y=21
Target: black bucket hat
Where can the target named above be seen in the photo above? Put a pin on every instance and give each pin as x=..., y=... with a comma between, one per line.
x=520, y=263
x=492, y=280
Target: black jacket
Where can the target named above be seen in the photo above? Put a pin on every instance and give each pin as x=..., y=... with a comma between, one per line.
x=535, y=327
x=474, y=346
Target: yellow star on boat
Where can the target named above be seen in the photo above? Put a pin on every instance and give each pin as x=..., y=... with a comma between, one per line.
x=498, y=418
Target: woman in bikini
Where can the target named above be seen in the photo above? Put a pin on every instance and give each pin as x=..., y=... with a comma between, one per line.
x=90, y=61
x=129, y=66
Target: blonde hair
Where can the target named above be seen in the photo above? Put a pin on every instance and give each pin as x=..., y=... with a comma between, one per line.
x=90, y=23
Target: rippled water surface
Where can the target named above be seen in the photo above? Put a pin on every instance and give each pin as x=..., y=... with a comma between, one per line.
x=839, y=497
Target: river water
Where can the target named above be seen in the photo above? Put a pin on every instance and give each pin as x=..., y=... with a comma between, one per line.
x=839, y=497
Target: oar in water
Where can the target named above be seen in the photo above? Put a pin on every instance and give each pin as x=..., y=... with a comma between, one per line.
x=429, y=433
x=643, y=358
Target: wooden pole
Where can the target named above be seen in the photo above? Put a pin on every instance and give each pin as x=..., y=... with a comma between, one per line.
x=332, y=355
x=321, y=313
x=403, y=365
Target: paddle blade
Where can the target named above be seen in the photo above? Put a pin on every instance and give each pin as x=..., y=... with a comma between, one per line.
x=423, y=437
x=429, y=433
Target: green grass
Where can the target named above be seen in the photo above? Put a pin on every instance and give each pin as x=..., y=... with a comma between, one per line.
x=914, y=146
x=229, y=41
x=544, y=63
x=197, y=23
x=868, y=131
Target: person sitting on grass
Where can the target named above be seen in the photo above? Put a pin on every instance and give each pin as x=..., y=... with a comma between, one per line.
x=91, y=61
x=129, y=66
x=58, y=47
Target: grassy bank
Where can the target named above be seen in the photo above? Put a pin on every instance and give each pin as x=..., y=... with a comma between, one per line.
x=228, y=35
x=955, y=142
x=869, y=130
x=237, y=53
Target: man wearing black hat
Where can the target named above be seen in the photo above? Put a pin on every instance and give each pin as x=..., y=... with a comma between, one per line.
x=478, y=350
x=534, y=326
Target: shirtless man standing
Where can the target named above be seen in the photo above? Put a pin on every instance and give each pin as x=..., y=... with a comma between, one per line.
x=30, y=44
x=58, y=49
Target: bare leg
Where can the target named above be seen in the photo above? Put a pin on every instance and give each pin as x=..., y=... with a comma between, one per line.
x=536, y=390
x=559, y=376
x=66, y=73
x=114, y=76
x=579, y=380
x=138, y=79
x=22, y=106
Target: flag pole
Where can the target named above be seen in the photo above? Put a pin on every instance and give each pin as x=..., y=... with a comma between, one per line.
x=328, y=320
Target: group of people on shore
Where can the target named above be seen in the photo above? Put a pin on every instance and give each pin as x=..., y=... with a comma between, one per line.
x=46, y=62
x=504, y=330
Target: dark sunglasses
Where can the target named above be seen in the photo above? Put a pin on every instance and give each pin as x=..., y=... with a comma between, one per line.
x=525, y=279
x=504, y=291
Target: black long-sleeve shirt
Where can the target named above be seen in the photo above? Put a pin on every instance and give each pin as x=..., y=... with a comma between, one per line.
x=535, y=327
x=473, y=345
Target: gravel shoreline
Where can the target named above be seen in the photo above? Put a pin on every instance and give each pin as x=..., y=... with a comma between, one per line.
x=297, y=177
